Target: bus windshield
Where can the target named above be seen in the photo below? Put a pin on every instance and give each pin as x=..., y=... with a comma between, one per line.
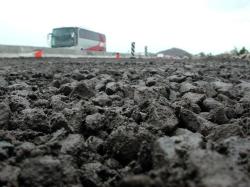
x=63, y=37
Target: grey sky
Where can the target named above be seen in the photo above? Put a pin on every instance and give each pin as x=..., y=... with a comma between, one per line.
x=194, y=25
x=229, y=5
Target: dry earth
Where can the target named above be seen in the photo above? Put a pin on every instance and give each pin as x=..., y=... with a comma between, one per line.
x=126, y=123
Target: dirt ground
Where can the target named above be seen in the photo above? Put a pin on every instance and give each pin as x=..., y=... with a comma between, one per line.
x=124, y=123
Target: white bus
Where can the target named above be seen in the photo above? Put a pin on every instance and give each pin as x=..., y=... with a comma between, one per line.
x=78, y=38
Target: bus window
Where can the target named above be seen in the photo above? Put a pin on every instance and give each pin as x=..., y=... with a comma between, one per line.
x=64, y=37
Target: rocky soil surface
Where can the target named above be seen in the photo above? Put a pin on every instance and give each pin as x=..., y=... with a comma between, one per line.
x=126, y=123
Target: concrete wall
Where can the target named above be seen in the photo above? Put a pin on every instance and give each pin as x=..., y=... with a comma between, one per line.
x=9, y=51
x=18, y=51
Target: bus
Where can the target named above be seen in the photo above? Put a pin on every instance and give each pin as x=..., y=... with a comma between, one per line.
x=77, y=38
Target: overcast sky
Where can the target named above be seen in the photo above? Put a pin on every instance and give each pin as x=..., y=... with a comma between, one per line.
x=194, y=25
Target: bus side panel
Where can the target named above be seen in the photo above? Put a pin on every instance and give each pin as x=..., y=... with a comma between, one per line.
x=92, y=41
x=86, y=44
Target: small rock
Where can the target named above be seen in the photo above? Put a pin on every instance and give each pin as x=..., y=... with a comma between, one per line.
x=145, y=159
x=59, y=121
x=24, y=150
x=151, y=81
x=36, y=119
x=57, y=136
x=230, y=112
x=143, y=93
x=70, y=171
x=6, y=149
x=187, y=87
x=237, y=148
x=216, y=170
x=57, y=102
x=72, y=144
x=205, y=115
x=173, y=95
x=194, y=97
x=112, y=163
x=41, y=171
x=94, y=143
x=74, y=119
x=177, y=78
x=111, y=88
x=3, y=82
x=18, y=103
x=4, y=114
x=102, y=100
x=170, y=150
x=195, y=123
x=65, y=89
x=161, y=117
x=243, y=86
x=124, y=142
x=222, y=86
x=187, y=104
x=207, y=88
x=56, y=83
x=83, y=91
x=77, y=75
x=136, y=181
x=9, y=175
x=94, y=122
x=225, y=100
x=19, y=86
x=43, y=103
x=101, y=86
x=218, y=115
x=210, y=103
x=224, y=131
x=93, y=174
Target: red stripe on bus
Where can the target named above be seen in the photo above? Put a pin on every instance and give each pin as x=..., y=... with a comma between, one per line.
x=96, y=48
